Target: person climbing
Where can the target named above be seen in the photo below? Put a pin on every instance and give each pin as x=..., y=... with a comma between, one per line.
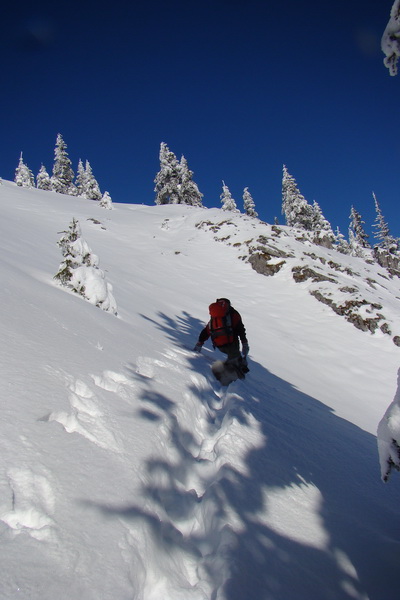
x=225, y=328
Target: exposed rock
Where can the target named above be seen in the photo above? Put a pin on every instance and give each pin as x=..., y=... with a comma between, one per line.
x=303, y=273
x=260, y=263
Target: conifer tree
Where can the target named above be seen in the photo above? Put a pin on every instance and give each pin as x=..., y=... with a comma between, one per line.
x=341, y=243
x=248, y=203
x=23, y=174
x=79, y=270
x=106, y=201
x=188, y=191
x=385, y=240
x=63, y=175
x=324, y=235
x=228, y=203
x=92, y=189
x=80, y=181
x=43, y=181
x=359, y=237
x=167, y=179
x=297, y=211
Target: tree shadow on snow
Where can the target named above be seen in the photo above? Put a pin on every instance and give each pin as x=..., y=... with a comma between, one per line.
x=306, y=449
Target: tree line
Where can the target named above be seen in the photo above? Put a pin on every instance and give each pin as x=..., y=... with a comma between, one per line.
x=63, y=179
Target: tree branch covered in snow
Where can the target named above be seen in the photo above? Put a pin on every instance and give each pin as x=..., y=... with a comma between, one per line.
x=390, y=42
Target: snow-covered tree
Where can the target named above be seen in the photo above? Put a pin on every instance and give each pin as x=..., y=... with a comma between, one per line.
x=323, y=233
x=23, y=175
x=106, y=201
x=63, y=175
x=188, y=191
x=297, y=211
x=248, y=203
x=174, y=181
x=80, y=181
x=359, y=237
x=167, y=179
x=390, y=43
x=228, y=203
x=92, y=189
x=43, y=181
x=86, y=183
x=387, y=250
x=382, y=234
x=342, y=244
x=79, y=270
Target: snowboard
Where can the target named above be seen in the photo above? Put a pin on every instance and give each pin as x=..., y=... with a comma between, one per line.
x=226, y=372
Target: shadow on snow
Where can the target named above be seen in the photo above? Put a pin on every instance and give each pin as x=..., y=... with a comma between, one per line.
x=305, y=444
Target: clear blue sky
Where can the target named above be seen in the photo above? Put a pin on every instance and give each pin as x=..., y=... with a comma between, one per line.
x=238, y=87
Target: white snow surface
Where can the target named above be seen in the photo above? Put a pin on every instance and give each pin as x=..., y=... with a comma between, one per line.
x=127, y=472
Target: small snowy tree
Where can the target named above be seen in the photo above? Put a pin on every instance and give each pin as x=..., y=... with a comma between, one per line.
x=297, y=211
x=342, y=244
x=390, y=43
x=106, y=201
x=248, y=203
x=63, y=175
x=228, y=203
x=356, y=226
x=188, y=191
x=386, y=251
x=23, y=174
x=79, y=270
x=80, y=181
x=167, y=179
x=385, y=240
x=323, y=233
x=92, y=188
x=43, y=181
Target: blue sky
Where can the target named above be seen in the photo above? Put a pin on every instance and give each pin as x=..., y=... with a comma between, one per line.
x=238, y=87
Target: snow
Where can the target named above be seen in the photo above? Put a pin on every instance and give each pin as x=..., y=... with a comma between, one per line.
x=126, y=471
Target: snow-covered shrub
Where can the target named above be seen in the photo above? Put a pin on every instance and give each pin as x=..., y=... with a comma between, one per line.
x=79, y=270
x=106, y=201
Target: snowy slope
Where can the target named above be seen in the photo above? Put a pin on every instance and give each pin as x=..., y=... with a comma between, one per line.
x=127, y=472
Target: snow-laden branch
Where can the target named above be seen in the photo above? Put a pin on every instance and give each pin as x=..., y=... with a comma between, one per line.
x=390, y=43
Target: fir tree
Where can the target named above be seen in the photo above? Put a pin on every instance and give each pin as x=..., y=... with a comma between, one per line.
x=248, y=203
x=356, y=226
x=106, y=201
x=187, y=190
x=43, y=181
x=385, y=240
x=297, y=211
x=167, y=179
x=63, y=175
x=342, y=245
x=92, y=188
x=79, y=270
x=23, y=174
x=228, y=203
x=80, y=181
x=324, y=235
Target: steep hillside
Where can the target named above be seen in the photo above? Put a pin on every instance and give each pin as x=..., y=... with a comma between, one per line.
x=127, y=472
